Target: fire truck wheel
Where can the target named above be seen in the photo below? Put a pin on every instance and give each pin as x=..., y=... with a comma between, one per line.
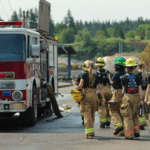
x=30, y=116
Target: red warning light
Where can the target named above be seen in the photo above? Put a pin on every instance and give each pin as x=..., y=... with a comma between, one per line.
x=17, y=23
x=2, y=75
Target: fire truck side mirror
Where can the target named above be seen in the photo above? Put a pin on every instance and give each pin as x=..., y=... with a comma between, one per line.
x=35, y=51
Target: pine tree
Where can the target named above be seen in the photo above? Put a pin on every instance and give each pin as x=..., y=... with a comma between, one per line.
x=33, y=19
x=14, y=16
x=69, y=20
x=103, y=29
x=118, y=32
x=27, y=19
x=20, y=14
x=51, y=26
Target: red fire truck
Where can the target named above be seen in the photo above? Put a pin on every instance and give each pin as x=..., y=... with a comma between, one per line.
x=28, y=62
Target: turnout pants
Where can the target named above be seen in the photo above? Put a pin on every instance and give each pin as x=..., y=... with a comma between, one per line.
x=129, y=111
x=115, y=109
x=148, y=103
x=89, y=105
x=81, y=113
x=103, y=111
x=142, y=119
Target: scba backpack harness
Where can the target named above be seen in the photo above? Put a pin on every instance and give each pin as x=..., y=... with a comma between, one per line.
x=132, y=86
x=104, y=77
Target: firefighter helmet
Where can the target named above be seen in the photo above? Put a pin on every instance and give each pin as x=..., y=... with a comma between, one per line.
x=100, y=62
x=130, y=62
x=77, y=95
x=120, y=61
x=85, y=65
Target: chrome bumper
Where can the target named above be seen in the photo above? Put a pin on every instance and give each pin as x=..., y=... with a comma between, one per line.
x=11, y=106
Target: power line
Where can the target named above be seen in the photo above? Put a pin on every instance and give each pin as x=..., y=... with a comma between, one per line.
x=4, y=9
x=10, y=6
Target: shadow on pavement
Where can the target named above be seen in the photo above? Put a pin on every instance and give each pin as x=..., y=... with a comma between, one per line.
x=142, y=138
x=68, y=124
x=14, y=124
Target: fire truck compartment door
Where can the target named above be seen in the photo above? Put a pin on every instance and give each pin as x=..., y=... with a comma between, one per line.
x=53, y=63
x=44, y=69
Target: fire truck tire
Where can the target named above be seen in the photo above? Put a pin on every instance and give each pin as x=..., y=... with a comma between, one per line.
x=29, y=117
x=53, y=101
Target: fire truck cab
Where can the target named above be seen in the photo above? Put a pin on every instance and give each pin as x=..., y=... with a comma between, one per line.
x=28, y=61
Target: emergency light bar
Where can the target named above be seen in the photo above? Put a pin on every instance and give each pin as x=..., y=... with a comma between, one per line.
x=17, y=23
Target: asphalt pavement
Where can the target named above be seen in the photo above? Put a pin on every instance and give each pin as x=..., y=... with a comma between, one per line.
x=67, y=133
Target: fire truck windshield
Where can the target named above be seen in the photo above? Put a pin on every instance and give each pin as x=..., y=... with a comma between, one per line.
x=12, y=47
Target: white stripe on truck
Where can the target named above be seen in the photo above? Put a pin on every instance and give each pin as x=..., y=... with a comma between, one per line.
x=21, y=84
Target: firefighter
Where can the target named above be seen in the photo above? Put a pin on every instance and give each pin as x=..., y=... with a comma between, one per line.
x=104, y=75
x=89, y=103
x=147, y=99
x=143, y=75
x=114, y=104
x=77, y=83
x=132, y=91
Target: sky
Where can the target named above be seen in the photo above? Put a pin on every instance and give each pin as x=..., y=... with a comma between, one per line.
x=85, y=10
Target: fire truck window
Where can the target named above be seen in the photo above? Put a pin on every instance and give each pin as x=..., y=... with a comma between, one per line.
x=36, y=40
x=33, y=41
x=15, y=50
x=28, y=51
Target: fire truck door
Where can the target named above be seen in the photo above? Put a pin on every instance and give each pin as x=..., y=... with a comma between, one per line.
x=44, y=73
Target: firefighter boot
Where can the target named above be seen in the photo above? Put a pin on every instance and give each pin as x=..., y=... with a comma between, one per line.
x=82, y=120
x=121, y=133
x=108, y=124
x=142, y=128
x=102, y=115
x=117, y=130
x=102, y=125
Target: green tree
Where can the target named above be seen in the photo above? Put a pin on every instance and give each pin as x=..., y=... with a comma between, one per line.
x=20, y=14
x=103, y=29
x=66, y=35
x=83, y=36
x=137, y=38
x=118, y=32
x=69, y=20
x=140, y=31
x=27, y=19
x=51, y=26
x=33, y=19
x=130, y=35
x=59, y=28
x=110, y=32
x=14, y=16
x=100, y=35
x=147, y=33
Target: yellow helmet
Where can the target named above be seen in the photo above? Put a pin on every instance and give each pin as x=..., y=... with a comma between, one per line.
x=100, y=62
x=85, y=65
x=130, y=62
x=77, y=95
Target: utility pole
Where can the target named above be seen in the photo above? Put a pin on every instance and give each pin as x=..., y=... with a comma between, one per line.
x=24, y=18
x=120, y=48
